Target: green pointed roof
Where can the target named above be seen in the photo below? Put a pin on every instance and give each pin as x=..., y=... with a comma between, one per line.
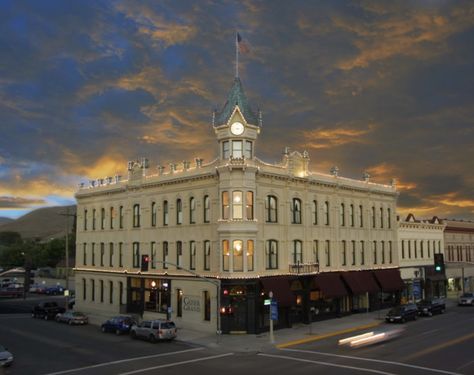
x=236, y=97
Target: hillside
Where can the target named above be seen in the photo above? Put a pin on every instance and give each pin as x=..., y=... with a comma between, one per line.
x=4, y=220
x=43, y=223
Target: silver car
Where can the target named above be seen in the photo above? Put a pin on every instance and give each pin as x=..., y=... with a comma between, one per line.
x=466, y=299
x=72, y=317
x=154, y=330
x=6, y=358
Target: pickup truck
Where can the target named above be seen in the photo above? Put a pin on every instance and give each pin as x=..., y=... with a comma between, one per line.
x=46, y=310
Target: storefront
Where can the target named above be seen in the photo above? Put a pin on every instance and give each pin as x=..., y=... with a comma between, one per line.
x=364, y=290
x=391, y=286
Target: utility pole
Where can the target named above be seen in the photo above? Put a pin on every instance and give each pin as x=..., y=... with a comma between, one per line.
x=67, y=215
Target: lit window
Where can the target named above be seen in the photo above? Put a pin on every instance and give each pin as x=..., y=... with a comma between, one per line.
x=225, y=255
x=237, y=205
x=249, y=205
x=250, y=252
x=225, y=205
x=238, y=258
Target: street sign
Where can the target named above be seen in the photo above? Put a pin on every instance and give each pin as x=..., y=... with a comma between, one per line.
x=267, y=302
x=274, y=310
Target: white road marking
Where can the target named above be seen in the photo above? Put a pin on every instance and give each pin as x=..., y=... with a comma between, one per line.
x=176, y=364
x=122, y=361
x=428, y=332
x=374, y=360
x=327, y=364
x=465, y=365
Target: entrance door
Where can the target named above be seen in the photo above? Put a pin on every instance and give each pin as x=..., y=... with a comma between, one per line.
x=238, y=316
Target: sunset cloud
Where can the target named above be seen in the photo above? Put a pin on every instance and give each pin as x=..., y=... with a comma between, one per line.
x=330, y=137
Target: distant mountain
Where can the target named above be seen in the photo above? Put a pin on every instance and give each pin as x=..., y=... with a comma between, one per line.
x=43, y=223
x=4, y=220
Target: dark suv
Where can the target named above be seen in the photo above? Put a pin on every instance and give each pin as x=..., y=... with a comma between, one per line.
x=402, y=313
x=118, y=325
x=429, y=307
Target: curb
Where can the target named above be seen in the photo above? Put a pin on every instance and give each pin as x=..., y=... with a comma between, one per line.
x=327, y=335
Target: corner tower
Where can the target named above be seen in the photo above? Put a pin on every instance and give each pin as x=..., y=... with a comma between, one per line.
x=237, y=126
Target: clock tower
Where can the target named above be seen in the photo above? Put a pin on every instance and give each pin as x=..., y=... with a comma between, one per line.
x=236, y=126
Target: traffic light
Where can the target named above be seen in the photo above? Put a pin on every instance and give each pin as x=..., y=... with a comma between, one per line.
x=439, y=263
x=145, y=262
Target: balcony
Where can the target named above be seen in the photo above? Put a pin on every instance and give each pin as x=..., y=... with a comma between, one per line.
x=298, y=268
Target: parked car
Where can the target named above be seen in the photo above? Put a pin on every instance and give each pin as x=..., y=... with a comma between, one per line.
x=6, y=358
x=118, y=325
x=72, y=317
x=402, y=313
x=11, y=292
x=429, y=307
x=466, y=299
x=54, y=290
x=154, y=330
x=47, y=310
x=37, y=288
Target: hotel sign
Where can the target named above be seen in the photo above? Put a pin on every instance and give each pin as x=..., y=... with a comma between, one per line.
x=192, y=304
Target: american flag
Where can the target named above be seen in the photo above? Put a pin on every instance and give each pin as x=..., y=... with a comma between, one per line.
x=244, y=46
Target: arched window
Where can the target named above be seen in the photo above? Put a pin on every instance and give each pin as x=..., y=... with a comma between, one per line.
x=296, y=208
x=343, y=253
x=93, y=219
x=192, y=255
x=351, y=213
x=102, y=218
x=271, y=254
x=207, y=255
x=207, y=209
x=136, y=254
x=121, y=217
x=179, y=212
x=192, y=210
x=315, y=212
x=101, y=283
x=92, y=290
x=165, y=254
x=85, y=219
x=343, y=214
x=153, y=214
x=165, y=213
x=179, y=253
x=84, y=289
x=326, y=213
x=297, y=252
x=112, y=217
x=361, y=216
x=111, y=292
x=136, y=215
x=272, y=209
x=327, y=252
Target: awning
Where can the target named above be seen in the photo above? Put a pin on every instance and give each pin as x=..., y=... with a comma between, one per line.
x=330, y=284
x=389, y=279
x=360, y=282
x=280, y=287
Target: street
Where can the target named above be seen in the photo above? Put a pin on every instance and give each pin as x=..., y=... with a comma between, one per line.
x=441, y=344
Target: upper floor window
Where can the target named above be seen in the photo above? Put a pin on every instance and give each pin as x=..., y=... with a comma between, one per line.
x=136, y=255
x=373, y=217
x=93, y=219
x=375, y=251
x=207, y=209
x=296, y=208
x=165, y=213
x=225, y=150
x=153, y=214
x=165, y=254
x=120, y=254
x=102, y=254
x=271, y=208
x=343, y=214
x=237, y=149
x=179, y=253
x=179, y=211
x=111, y=254
x=362, y=252
x=250, y=251
x=225, y=255
x=238, y=255
x=136, y=215
x=343, y=253
x=237, y=205
x=248, y=150
x=84, y=254
x=192, y=210
x=153, y=254
x=225, y=205
x=390, y=252
x=121, y=217
x=403, y=249
x=271, y=254
x=389, y=218
x=207, y=255
x=327, y=252
x=112, y=217
x=326, y=213
x=353, y=253
x=351, y=214
x=102, y=218
x=316, y=251
x=383, y=252
x=297, y=252
x=249, y=205
x=381, y=217
x=361, y=216
x=315, y=212
x=192, y=255
x=85, y=219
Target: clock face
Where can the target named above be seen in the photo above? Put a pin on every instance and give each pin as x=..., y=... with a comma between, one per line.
x=237, y=128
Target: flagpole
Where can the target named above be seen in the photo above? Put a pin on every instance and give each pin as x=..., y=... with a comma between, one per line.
x=236, y=55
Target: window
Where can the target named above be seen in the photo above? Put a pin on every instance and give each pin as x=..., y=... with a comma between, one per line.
x=121, y=217
x=225, y=205
x=207, y=209
x=351, y=214
x=326, y=213
x=102, y=254
x=383, y=252
x=192, y=255
x=409, y=249
x=343, y=215
x=153, y=214
x=249, y=205
x=192, y=210
x=353, y=253
x=315, y=212
x=179, y=302
x=415, y=244
x=179, y=212
x=84, y=254
x=238, y=258
x=381, y=217
x=120, y=292
x=362, y=252
x=250, y=252
x=429, y=249
x=343, y=253
x=361, y=216
x=120, y=254
x=327, y=253
x=225, y=150
x=102, y=218
x=165, y=254
x=111, y=292
x=85, y=219
x=207, y=305
x=390, y=252
x=236, y=149
x=422, y=249
x=179, y=253
x=93, y=219
x=84, y=289
x=389, y=218
x=316, y=251
x=248, y=150
x=373, y=217
x=296, y=208
x=237, y=205
x=375, y=251
x=272, y=212
x=297, y=252
x=225, y=255
x=271, y=253
x=153, y=254
x=101, y=283
x=165, y=213
x=112, y=217
x=111, y=254
x=207, y=255
x=93, y=253
x=92, y=290
x=136, y=255
x=136, y=215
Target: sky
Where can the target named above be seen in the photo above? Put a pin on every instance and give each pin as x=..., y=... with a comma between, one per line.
x=384, y=87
